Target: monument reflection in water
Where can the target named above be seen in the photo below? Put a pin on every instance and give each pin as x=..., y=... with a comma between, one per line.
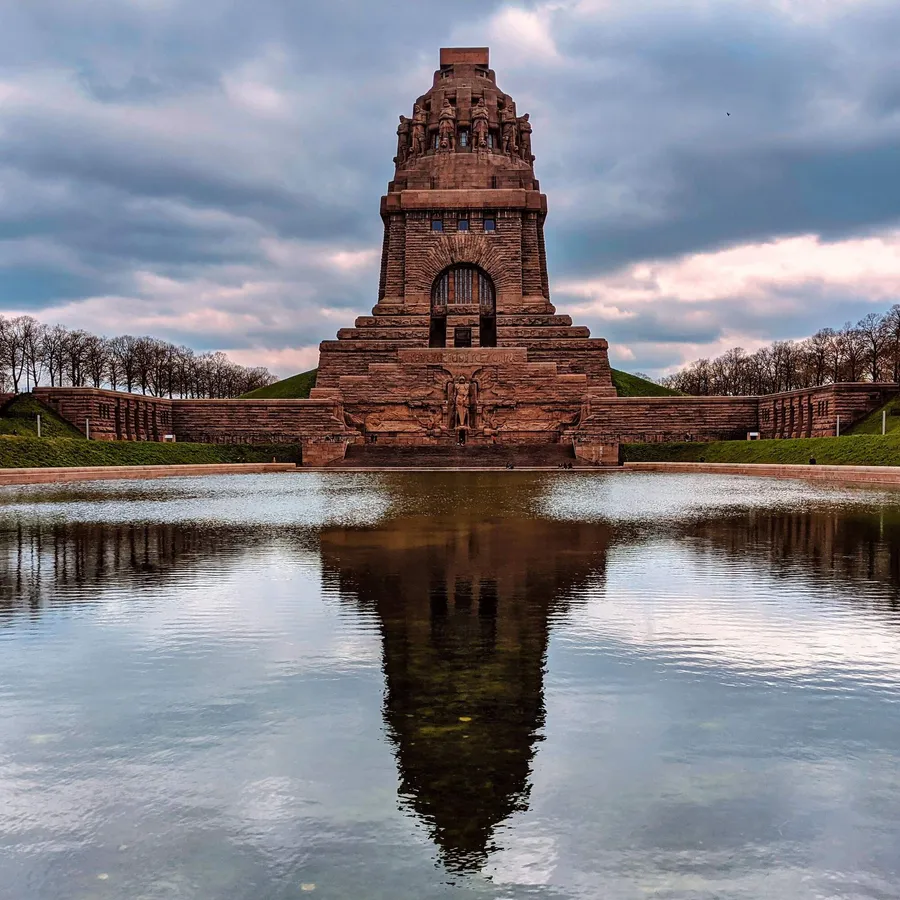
x=465, y=605
x=464, y=579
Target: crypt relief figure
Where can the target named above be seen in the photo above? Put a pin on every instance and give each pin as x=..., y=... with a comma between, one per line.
x=419, y=121
x=480, y=125
x=403, y=130
x=447, y=127
x=525, y=130
x=509, y=125
x=462, y=393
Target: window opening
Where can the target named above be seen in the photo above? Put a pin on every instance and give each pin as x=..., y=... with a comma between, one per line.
x=462, y=336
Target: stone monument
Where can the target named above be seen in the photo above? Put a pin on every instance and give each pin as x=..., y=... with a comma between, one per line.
x=464, y=336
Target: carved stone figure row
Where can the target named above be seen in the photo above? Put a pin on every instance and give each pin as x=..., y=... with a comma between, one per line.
x=515, y=131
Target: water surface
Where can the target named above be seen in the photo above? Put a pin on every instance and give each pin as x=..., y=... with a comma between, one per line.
x=501, y=685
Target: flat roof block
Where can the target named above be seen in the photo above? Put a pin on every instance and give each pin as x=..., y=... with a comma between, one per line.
x=470, y=56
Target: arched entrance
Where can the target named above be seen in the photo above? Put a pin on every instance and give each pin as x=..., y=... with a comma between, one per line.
x=457, y=287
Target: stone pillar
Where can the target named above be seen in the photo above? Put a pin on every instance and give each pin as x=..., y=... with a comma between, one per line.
x=601, y=454
x=531, y=258
x=395, y=274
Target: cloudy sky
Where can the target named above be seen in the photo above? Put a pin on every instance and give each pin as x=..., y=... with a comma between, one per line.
x=210, y=172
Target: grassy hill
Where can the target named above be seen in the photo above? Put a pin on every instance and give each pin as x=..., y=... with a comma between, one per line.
x=26, y=452
x=628, y=385
x=19, y=417
x=850, y=450
x=871, y=424
x=297, y=387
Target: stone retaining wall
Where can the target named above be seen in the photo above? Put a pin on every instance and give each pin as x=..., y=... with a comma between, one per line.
x=111, y=415
x=640, y=420
x=114, y=415
x=63, y=474
x=874, y=475
x=542, y=393
x=807, y=413
x=814, y=412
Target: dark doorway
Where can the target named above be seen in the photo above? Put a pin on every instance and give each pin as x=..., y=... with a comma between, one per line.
x=462, y=336
x=437, y=336
x=487, y=331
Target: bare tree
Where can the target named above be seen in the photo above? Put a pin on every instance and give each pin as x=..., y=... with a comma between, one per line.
x=12, y=348
x=873, y=336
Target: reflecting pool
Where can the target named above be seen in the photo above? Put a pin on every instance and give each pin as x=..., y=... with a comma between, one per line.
x=498, y=685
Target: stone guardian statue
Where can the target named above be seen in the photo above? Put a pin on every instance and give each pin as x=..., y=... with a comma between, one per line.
x=447, y=127
x=508, y=126
x=525, y=139
x=419, y=121
x=403, y=130
x=480, y=125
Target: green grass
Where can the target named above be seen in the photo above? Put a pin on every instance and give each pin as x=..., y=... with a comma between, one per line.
x=26, y=452
x=297, y=387
x=871, y=424
x=628, y=385
x=19, y=417
x=850, y=450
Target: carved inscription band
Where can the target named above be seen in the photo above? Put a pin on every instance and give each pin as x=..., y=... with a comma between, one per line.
x=474, y=356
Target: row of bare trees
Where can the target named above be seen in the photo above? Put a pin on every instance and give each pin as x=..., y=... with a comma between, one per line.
x=867, y=351
x=32, y=354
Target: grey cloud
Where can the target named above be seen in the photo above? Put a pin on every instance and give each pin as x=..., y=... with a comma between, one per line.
x=747, y=197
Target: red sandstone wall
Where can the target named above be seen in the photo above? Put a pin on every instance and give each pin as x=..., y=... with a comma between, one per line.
x=814, y=412
x=119, y=416
x=806, y=413
x=113, y=415
x=633, y=420
x=320, y=421
x=256, y=421
x=499, y=253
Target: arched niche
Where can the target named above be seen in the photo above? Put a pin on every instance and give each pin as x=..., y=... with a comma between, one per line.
x=463, y=286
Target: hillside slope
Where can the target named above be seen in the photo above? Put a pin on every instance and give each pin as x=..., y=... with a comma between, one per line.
x=27, y=452
x=19, y=417
x=628, y=385
x=852, y=450
x=297, y=387
x=871, y=424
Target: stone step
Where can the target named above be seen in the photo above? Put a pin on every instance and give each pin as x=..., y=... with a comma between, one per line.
x=458, y=457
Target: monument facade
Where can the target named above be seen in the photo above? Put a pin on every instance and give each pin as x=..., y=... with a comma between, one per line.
x=464, y=344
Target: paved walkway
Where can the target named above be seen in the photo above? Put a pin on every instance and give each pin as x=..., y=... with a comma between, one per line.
x=877, y=475
x=61, y=475
x=885, y=476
